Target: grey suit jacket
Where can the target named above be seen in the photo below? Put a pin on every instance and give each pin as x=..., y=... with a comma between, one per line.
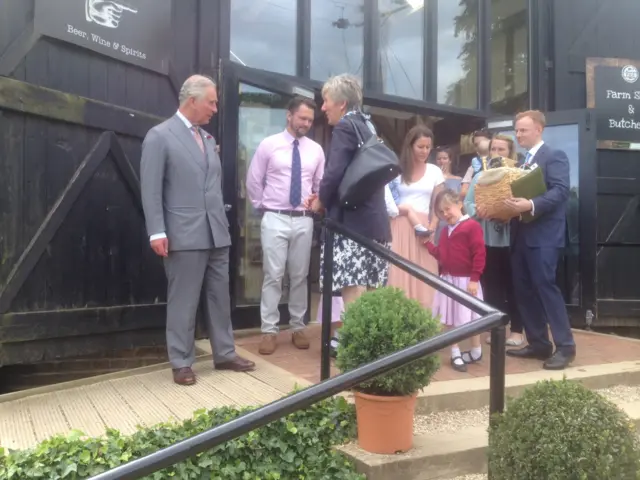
x=180, y=195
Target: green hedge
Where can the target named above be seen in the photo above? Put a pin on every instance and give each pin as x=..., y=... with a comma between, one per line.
x=295, y=447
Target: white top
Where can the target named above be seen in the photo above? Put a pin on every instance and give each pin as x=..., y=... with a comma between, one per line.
x=418, y=194
x=392, y=208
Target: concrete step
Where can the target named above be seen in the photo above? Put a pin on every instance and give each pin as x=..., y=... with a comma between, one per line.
x=470, y=394
x=444, y=454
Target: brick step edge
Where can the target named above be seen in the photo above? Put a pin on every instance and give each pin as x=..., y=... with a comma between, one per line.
x=473, y=393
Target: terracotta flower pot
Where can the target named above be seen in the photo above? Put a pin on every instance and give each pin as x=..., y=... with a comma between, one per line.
x=385, y=424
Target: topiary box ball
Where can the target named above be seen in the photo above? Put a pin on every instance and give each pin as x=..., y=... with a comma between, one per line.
x=382, y=322
x=560, y=430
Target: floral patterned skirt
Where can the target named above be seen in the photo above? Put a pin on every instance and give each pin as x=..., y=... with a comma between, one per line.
x=355, y=266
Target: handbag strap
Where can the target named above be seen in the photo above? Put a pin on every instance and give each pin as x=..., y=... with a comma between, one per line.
x=358, y=132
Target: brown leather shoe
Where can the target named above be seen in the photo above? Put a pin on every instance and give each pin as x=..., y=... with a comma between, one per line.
x=300, y=340
x=238, y=364
x=184, y=376
x=268, y=344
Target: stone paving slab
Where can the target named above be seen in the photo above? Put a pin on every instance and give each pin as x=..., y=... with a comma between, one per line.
x=593, y=349
x=145, y=397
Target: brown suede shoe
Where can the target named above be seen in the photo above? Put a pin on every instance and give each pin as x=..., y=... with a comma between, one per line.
x=184, y=376
x=300, y=340
x=268, y=344
x=238, y=364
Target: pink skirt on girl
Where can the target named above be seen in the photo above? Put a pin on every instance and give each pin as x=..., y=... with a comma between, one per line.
x=452, y=312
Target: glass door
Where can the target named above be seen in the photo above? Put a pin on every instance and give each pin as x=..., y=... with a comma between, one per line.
x=571, y=132
x=253, y=107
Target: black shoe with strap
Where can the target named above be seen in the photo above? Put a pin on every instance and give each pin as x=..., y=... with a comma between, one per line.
x=459, y=367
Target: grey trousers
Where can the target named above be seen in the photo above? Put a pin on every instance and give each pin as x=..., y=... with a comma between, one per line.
x=286, y=242
x=187, y=272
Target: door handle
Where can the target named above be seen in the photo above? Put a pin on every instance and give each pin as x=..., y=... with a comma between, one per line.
x=227, y=207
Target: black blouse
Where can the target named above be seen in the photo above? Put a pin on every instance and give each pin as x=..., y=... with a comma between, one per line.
x=369, y=219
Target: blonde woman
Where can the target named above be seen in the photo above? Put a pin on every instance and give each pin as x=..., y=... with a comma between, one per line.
x=496, y=279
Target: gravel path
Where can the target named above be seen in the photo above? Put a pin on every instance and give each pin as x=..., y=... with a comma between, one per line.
x=451, y=422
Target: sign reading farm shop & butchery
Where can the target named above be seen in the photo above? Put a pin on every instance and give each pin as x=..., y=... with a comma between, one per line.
x=613, y=91
x=134, y=31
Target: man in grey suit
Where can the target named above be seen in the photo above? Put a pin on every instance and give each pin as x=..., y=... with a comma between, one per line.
x=181, y=179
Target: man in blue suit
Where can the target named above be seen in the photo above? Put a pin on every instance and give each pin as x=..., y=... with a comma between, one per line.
x=536, y=247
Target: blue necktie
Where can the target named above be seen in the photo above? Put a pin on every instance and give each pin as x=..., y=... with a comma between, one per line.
x=528, y=158
x=295, y=194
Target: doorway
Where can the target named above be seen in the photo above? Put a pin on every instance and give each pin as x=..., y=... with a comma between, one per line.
x=253, y=107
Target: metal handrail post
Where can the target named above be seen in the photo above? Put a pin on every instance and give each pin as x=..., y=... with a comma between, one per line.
x=327, y=297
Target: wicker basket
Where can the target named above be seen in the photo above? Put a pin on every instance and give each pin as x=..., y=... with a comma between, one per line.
x=493, y=188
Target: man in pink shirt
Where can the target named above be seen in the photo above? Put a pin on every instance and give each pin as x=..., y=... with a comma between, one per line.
x=286, y=169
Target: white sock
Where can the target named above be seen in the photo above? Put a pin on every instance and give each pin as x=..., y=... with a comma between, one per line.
x=473, y=355
x=455, y=353
x=334, y=343
x=420, y=228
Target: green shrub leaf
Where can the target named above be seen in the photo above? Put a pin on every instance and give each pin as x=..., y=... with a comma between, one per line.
x=382, y=322
x=560, y=430
x=298, y=447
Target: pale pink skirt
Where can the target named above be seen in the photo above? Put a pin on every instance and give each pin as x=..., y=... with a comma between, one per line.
x=406, y=243
x=451, y=312
x=337, y=307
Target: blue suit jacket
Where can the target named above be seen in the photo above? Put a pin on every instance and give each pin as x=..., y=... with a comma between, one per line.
x=549, y=224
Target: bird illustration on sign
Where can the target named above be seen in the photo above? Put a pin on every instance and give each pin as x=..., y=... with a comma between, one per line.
x=107, y=13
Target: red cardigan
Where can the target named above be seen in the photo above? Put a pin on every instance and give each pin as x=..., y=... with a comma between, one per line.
x=463, y=253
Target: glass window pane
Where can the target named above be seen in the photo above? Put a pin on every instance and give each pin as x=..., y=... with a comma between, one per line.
x=336, y=38
x=401, y=47
x=263, y=34
x=261, y=114
x=509, y=56
x=567, y=139
x=458, y=53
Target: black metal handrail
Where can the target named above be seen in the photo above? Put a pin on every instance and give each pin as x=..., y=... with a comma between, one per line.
x=465, y=298
x=491, y=319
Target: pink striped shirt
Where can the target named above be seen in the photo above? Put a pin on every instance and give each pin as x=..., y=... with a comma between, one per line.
x=269, y=175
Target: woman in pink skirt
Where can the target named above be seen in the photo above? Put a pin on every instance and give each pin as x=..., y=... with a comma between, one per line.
x=461, y=256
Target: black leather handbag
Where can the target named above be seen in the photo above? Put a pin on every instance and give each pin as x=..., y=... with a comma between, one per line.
x=373, y=166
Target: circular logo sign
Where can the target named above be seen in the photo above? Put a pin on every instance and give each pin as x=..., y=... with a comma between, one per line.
x=630, y=74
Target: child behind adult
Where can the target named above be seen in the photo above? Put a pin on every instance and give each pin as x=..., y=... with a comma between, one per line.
x=461, y=256
x=481, y=142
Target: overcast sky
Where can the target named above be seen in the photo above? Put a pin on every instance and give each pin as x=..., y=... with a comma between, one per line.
x=263, y=36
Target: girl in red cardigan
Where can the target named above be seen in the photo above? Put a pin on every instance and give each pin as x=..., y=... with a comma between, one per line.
x=461, y=257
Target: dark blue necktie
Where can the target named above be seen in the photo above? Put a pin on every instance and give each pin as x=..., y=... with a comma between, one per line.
x=295, y=194
x=527, y=159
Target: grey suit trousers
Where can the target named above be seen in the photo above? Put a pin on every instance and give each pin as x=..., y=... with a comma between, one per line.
x=187, y=271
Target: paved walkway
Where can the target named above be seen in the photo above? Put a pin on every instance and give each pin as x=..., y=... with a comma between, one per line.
x=592, y=348
x=125, y=400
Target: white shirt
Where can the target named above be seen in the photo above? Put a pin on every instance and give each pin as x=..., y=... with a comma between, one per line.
x=535, y=149
x=451, y=228
x=189, y=125
x=418, y=194
x=392, y=208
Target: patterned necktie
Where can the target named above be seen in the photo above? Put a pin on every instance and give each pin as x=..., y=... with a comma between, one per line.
x=295, y=193
x=198, y=138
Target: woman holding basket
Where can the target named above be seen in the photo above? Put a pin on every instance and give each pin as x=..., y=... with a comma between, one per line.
x=496, y=279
